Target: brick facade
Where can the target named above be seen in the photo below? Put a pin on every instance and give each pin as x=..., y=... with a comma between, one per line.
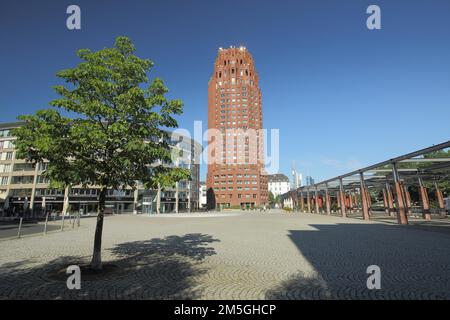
x=236, y=175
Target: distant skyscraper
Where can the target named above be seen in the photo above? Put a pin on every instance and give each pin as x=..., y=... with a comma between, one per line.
x=236, y=144
x=296, y=178
x=309, y=181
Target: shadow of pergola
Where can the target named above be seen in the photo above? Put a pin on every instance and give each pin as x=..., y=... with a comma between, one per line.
x=414, y=264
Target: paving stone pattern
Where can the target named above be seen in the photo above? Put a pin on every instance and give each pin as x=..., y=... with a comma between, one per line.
x=236, y=256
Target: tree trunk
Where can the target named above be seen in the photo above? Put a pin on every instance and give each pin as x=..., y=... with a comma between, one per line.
x=158, y=199
x=96, y=262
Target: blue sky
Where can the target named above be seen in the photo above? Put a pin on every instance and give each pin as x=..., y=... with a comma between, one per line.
x=342, y=96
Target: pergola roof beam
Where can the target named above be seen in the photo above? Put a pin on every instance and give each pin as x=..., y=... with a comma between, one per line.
x=426, y=160
x=387, y=162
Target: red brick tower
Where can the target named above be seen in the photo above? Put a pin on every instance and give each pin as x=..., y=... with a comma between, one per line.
x=236, y=175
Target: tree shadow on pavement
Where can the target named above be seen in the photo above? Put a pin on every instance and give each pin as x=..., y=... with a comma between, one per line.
x=414, y=264
x=189, y=245
x=160, y=268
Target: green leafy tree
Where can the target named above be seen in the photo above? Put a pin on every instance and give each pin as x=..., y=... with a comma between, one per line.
x=115, y=137
x=271, y=198
x=277, y=199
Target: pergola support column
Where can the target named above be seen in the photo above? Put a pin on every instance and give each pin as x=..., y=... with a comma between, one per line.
x=357, y=200
x=317, y=201
x=364, y=201
x=321, y=203
x=308, y=200
x=338, y=201
x=342, y=197
x=402, y=218
x=385, y=202
x=302, y=202
x=425, y=201
x=327, y=200
x=440, y=198
x=350, y=198
x=390, y=199
x=408, y=199
x=369, y=200
x=295, y=199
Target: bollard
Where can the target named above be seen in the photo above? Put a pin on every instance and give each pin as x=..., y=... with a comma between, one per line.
x=45, y=225
x=78, y=219
x=73, y=221
x=20, y=228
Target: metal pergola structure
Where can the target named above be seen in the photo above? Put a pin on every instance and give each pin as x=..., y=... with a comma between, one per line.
x=352, y=192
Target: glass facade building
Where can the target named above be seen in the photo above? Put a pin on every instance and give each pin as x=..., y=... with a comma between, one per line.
x=24, y=190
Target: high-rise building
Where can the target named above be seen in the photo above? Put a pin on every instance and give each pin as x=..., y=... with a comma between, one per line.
x=309, y=181
x=236, y=175
x=296, y=178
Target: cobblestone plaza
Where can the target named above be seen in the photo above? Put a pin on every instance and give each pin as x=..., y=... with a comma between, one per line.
x=232, y=256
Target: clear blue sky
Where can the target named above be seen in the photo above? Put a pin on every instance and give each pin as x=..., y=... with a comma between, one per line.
x=343, y=96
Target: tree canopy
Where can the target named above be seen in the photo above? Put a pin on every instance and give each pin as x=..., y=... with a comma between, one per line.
x=117, y=128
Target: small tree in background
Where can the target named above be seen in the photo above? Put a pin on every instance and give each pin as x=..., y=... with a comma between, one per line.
x=271, y=199
x=274, y=200
x=115, y=133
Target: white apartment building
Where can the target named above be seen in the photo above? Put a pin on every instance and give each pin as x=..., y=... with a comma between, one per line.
x=202, y=195
x=278, y=184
